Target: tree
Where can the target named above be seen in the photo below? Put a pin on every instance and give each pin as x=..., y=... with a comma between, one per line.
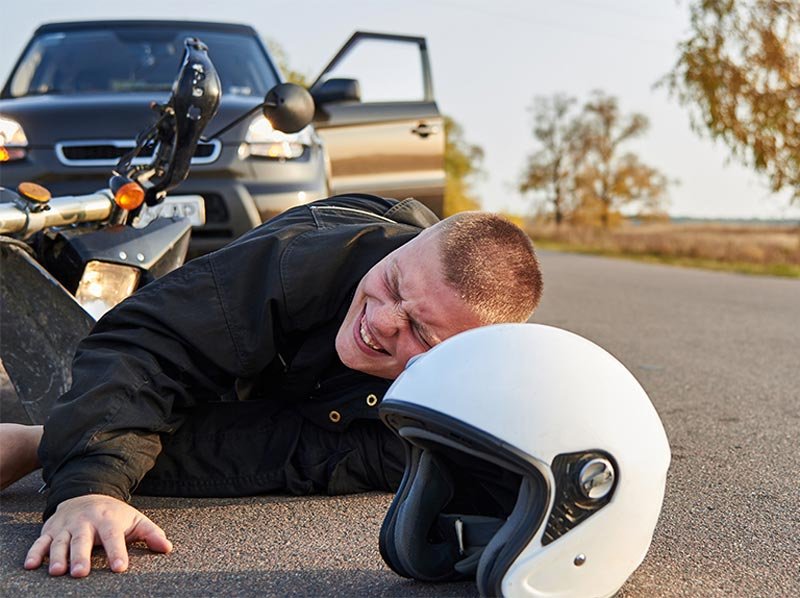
x=739, y=73
x=607, y=176
x=550, y=170
x=580, y=167
x=628, y=181
x=462, y=164
x=282, y=61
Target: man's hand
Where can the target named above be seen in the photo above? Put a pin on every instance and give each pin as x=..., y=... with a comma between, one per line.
x=86, y=521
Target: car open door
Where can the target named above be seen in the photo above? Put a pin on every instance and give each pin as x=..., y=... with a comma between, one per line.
x=377, y=116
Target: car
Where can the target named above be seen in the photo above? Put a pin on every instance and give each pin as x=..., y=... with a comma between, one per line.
x=81, y=91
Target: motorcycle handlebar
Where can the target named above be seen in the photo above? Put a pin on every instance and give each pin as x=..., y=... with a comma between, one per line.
x=193, y=103
x=64, y=210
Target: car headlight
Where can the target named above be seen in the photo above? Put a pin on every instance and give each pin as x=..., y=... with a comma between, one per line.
x=103, y=285
x=13, y=143
x=265, y=142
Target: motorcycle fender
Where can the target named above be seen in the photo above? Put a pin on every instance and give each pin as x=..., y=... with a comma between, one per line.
x=40, y=327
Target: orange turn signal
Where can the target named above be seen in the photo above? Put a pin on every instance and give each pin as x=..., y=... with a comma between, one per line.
x=130, y=196
x=9, y=154
x=34, y=192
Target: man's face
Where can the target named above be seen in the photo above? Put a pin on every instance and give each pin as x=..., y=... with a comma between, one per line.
x=402, y=307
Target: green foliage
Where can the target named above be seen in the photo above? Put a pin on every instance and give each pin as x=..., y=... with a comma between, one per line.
x=739, y=74
x=462, y=164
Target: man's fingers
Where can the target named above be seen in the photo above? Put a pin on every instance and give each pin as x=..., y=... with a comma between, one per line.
x=114, y=544
x=153, y=535
x=59, y=549
x=81, y=522
x=80, y=552
x=37, y=551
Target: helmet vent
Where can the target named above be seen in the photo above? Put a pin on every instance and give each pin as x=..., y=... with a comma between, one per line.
x=574, y=503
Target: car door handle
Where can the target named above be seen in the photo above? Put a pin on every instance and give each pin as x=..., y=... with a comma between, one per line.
x=424, y=130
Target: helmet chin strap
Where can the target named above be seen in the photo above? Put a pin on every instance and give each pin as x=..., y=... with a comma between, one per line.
x=471, y=533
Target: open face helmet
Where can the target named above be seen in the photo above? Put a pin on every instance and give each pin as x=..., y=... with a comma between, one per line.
x=535, y=463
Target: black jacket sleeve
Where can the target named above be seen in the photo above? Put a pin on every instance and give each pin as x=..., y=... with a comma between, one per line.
x=173, y=343
x=190, y=335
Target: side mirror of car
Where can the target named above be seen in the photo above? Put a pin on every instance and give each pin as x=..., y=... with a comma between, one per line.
x=338, y=90
x=288, y=107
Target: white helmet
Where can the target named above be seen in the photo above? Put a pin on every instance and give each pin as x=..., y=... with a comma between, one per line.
x=535, y=462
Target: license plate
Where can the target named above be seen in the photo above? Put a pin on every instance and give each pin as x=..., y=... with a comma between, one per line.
x=191, y=207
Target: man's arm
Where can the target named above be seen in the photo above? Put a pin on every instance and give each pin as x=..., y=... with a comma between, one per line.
x=169, y=346
x=166, y=346
x=189, y=333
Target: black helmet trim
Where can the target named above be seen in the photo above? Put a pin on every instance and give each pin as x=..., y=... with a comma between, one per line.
x=399, y=414
x=422, y=438
x=425, y=491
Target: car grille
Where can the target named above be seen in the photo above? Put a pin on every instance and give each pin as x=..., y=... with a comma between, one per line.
x=107, y=152
x=216, y=211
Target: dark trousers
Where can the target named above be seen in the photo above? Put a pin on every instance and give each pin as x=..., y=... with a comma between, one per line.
x=243, y=448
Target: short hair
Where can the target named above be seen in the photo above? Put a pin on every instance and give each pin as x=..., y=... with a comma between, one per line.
x=492, y=264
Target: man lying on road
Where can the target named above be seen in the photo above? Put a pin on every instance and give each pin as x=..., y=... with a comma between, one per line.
x=259, y=368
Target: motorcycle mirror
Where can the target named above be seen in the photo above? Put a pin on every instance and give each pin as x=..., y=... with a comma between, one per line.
x=288, y=107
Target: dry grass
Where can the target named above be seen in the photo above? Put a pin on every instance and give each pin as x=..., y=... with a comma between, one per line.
x=771, y=249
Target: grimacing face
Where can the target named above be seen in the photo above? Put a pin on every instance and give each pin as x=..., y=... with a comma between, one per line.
x=401, y=308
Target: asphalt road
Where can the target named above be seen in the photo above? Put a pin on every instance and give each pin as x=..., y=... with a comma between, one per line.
x=718, y=354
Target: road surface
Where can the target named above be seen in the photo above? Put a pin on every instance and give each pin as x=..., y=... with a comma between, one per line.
x=719, y=355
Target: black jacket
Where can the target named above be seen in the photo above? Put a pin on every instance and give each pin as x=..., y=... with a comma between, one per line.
x=256, y=319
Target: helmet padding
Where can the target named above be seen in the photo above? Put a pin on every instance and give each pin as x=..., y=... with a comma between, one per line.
x=432, y=533
x=431, y=490
x=492, y=567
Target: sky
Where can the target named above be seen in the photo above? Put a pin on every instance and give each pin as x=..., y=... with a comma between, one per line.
x=489, y=60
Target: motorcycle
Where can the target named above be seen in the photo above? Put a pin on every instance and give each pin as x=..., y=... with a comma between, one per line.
x=67, y=260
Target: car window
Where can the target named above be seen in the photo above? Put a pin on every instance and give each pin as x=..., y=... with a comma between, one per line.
x=386, y=70
x=130, y=59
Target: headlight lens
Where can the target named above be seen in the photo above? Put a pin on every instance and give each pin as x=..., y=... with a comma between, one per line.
x=265, y=142
x=103, y=285
x=13, y=142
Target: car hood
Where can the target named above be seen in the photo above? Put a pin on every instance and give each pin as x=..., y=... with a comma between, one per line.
x=49, y=119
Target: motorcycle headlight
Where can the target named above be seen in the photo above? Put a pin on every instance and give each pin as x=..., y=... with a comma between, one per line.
x=103, y=285
x=263, y=141
x=13, y=143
